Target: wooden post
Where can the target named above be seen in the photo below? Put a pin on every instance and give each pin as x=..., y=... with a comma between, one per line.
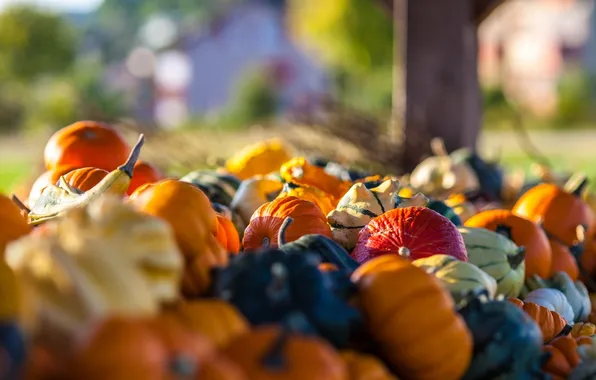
x=442, y=91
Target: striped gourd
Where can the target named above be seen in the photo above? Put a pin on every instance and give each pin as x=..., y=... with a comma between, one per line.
x=457, y=276
x=219, y=187
x=498, y=256
x=360, y=205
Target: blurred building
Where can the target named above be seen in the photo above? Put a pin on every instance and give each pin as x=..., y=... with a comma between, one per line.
x=525, y=45
x=199, y=72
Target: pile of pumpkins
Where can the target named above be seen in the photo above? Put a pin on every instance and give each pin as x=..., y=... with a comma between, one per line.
x=283, y=267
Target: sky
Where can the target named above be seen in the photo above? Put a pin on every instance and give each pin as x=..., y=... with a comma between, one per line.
x=58, y=5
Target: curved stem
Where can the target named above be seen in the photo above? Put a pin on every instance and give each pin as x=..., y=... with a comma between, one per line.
x=576, y=184
x=281, y=236
x=129, y=165
x=20, y=204
x=517, y=259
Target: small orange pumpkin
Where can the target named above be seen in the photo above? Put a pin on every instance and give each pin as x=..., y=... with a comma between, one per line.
x=550, y=322
x=188, y=210
x=265, y=224
x=300, y=171
x=216, y=320
x=143, y=173
x=524, y=233
x=328, y=267
x=324, y=201
x=419, y=306
x=271, y=353
x=14, y=225
x=227, y=235
x=365, y=367
x=583, y=329
x=84, y=178
x=564, y=357
x=563, y=260
x=86, y=143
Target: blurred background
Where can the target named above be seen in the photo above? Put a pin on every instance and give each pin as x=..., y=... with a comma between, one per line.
x=213, y=75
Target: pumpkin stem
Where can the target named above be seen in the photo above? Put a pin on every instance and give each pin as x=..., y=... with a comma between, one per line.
x=517, y=259
x=278, y=288
x=274, y=359
x=437, y=145
x=504, y=230
x=281, y=236
x=404, y=252
x=20, y=204
x=576, y=184
x=564, y=332
x=129, y=165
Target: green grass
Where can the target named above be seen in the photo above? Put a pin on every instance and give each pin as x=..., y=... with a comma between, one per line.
x=12, y=173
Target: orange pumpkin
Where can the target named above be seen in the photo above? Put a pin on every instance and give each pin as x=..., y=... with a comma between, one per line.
x=86, y=143
x=270, y=353
x=404, y=323
x=300, y=171
x=328, y=267
x=324, y=201
x=524, y=233
x=220, y=368
x=365, y=367
x=583, y=329
x=550, y=322
x=583, y=340
x=560, y=210
x=142, y=174
x=188, y=210
x=85, y=178
x=227, y=235
x=265, y=224
x=14, y=225
x=588, y=262
x=133, y=348
x=564, y=357
x=563, y=260
x=216, y=320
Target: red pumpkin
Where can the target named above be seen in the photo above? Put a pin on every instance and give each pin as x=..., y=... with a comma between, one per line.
x=86, y=143
x=84, y=178
x=142, y=174
x=266, y=222
x=411, y=232
x=524, y=233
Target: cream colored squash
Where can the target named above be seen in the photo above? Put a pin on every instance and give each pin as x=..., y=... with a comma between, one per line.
x=253, y=193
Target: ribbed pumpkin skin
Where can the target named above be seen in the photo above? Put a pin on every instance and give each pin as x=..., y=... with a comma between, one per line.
x=422, y=231
x=524, y=233
x=268, y=219
x=85, y=178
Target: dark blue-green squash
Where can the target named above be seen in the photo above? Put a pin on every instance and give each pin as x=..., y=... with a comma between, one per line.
x=445, y=210
x=507, y=342
x=219, y=187
x=490, y=175
x=327, y=250
x=271, y=285
x=15, y=351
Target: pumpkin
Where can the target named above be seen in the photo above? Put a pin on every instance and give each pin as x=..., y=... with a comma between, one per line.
x=86, y=144
x=575, y=292
x=551, y=323
x=457, y=276
x=446, y=211
x=553, y=300
x=189, y=213
x=227, y=235
x=134, y=348
x=216, y=320
x=583, y=329
x=270, y=353
x=387, y=312
x=498, y=256
x=324, y=201
x=14, y=225
x=219, y=188
x=328, y=251
x=11, y=307
x=49, y=177
x=268, y=287
x=563, y=260
x=564, y=357
x=360, y=205
x=328, y=267
x=412, y=232
x=522, y=232
x=143, y=173
x=84, y=178
x=300, y=171
x=583, y=340
x=439, y=175
x=252, y=194
x=258, y=159
x=266, y=222
x=365, y=367
x=507, y=342
x=559, y=210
